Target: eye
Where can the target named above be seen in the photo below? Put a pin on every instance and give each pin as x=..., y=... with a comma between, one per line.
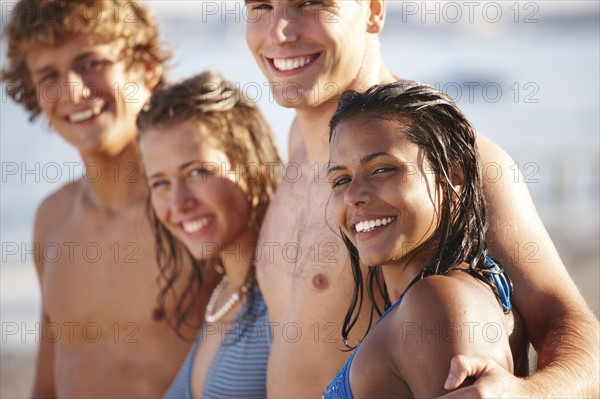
x=339, y=181
x=46, y=78
x=94, y=65
x=197, y=172
x=383, y=169
x=321, y=6
x=259, y=6
x=310, y=3
x=157, y=184
x=309, y=7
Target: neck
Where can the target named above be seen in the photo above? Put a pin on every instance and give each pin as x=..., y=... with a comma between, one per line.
x=115, y=181
x=399, y=274
x=236, y=259
x=314, y=125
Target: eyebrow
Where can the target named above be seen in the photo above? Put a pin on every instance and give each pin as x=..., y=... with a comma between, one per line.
x=364, y=160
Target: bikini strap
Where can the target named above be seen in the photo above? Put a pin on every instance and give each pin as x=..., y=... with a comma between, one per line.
x=493, y=275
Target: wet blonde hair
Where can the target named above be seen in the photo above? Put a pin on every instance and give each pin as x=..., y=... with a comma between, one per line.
x=50, y=23
x=239, y=128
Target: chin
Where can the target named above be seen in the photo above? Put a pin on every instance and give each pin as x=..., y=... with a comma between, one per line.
x=376, y=256
x=371, y=260
x=197, y=254
x=291, y=99
x=284, y=103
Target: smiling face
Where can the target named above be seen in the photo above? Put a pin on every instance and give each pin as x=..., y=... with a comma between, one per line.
x=384, y=195
x=88, y=94
x=317, y=47
x=193, y=191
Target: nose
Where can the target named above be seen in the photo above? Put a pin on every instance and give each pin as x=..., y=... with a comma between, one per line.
x=182, y=200
x=75, y=88
x=357, y=194
x=284, y=26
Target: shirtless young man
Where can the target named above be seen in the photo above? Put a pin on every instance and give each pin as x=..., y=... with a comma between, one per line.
x=311, y=51
x=89, y=67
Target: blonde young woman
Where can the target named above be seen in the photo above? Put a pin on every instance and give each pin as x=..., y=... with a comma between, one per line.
x=211, y=167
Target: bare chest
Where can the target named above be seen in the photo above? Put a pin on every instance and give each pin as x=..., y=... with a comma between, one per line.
x=300, y=248
x=98, y=269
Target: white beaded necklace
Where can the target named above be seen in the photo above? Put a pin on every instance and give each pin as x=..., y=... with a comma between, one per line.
x=211, y=317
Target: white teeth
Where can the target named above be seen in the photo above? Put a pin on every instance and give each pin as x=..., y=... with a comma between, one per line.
x=288, y=64
x=369, y=225
x=84, y=115
x=194, y=226
x=81, y=116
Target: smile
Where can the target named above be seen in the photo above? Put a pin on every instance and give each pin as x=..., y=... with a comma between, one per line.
x=368, y=225
x=289, y=64
x=194, y=226
x=82, y=116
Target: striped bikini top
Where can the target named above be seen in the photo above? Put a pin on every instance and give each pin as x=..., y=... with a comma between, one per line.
x=239, y=367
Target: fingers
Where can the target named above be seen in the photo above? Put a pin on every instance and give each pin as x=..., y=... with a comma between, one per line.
x=462, y=367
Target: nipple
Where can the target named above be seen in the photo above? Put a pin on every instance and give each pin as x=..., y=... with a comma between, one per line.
x=320, y=281
x=158, y=313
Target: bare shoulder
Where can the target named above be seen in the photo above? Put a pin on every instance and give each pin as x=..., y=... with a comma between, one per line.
x=503, y=183
x=491, y=151
x=461, y=309
x=54, y=209
x=441, y=317
x=449, y=298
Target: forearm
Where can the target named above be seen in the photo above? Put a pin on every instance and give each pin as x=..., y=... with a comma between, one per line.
x=568, y=366
x=43, y=386
x=569, y=358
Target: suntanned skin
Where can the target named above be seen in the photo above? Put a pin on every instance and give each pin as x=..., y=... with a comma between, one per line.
x=408, y=353
x=100, y=293
x=377, y=173
x=311, y=293
x=177, y=196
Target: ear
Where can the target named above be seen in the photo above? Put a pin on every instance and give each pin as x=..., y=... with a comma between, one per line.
x=376, y=16
x=153, y=73
x=457, y=183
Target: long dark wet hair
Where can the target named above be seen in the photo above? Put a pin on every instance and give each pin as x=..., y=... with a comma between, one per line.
x=432, y=121
x=243, y=133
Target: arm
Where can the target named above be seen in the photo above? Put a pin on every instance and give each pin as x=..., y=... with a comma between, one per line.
x=452, y=315
x=483, y=370
x=560, y=325
x=44, y=376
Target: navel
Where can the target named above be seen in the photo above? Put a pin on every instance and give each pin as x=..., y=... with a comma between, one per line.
x=320, y=281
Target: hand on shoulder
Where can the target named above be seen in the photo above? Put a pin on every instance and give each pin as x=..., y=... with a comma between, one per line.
x=491, y=380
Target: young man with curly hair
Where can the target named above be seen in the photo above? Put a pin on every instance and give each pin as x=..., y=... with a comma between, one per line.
x=89, y=67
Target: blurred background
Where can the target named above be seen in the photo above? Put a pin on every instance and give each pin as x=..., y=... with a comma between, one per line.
x=525, y=73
